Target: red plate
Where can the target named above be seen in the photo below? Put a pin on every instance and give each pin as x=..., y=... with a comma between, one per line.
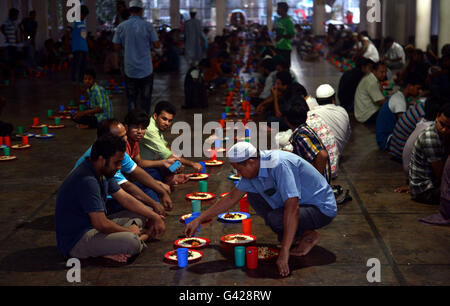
x=238, y=243
x=226, y=193
x=188, y=196
x=20, y=146
x=204, y=242
x=270, y=257
x=198, y=178
x=169, y=255
x=219, y=163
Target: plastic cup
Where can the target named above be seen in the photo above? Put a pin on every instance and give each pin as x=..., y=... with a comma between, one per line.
x=72, y=103
x=218, y=143
x=194, y=216
x=224, y=115
x=50, y=113
x=61, y=108
x=213, y=154
x=203, y=167
x=25, y=140
x=243, y=205
x=239, y=256
x=247, y=226
x=203, y=186
x=247, y=133
x=7, y=82
x=81, y=107
x=7, y=141
x=251, y=256
x=35, y=121
x=1, y=140
x=57, y=121
x=222, y=122
x=20, y=130
x=6, y=151
x=182, y=257
x=196, y=206
x=44, y=130
x=227, y=109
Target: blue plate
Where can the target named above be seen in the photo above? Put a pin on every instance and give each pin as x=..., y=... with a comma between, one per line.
x=232, y=178
x=45, y=137
x=234, y=212
x=3, y=146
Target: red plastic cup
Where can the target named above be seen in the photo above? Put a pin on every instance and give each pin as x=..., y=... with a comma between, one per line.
x=25, y=140
x=222, y=122
x=244, y=205
x=229, y=101
x=35, y=121
x=251, y=256
x=1, y=140
x=247, y=226
x=7, y=141
x=247, y=115
x=213, y=154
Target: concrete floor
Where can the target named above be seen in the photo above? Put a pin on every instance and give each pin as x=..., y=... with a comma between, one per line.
x=378, y=223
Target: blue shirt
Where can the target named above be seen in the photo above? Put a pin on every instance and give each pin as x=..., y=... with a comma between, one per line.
x=81, y=193
x=136, y=36
x=284, y=175
x=79, y=37
x=128, y=166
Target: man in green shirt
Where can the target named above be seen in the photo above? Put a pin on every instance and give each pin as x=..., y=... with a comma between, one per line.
x=285, y=32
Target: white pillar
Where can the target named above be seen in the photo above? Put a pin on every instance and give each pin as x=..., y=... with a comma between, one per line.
x=362, y=16
x=41, y=8
x=221, y=16
x=319, y=18
x=175, y=14
x=444, y=25
x=269, y=14
x=91, y=21
x=423, y=23
x=54, y=20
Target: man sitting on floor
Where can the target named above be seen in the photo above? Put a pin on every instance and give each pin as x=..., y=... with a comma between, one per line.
x=154, y=146
x=289, y=193
x=101, y=107
x=136, y=121
x=82, y=228
x=428, y=157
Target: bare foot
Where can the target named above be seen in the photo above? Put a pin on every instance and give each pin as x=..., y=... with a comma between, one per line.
x=144, y=237
x=307, y=241
x=82, y=126
x=403, y=189
x=118, y=257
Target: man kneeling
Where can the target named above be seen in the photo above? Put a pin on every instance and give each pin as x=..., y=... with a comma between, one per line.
x=82, y=228
x=288, y=192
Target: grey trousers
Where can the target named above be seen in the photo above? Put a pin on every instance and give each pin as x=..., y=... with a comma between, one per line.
x=96, y=244
x=310, y=217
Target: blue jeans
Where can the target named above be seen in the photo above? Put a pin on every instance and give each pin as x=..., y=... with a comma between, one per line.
x=310, y=217
x=156, y=174
x=79, y=64
x=144, y=87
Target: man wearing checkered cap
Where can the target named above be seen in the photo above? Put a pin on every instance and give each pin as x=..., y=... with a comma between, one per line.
x=289, y=193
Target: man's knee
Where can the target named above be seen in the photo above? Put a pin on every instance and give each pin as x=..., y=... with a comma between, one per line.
x=275, y=220
x=131, y=244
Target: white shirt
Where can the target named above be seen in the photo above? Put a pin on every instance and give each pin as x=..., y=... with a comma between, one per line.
x=372, y=53
x=396, y=51
x=312, y=102
x=337, y=119
x=397, y=103
x=367, y=93
x=269, y=83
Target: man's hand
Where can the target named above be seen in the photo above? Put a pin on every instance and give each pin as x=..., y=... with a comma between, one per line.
x=159, y=209
x=135, y=229
x=197, y=167
x=157, y=227
x=278, y=114
x=166, y=201
x=259, y=109
x=78, y=115
x=283, y=263
x=165, y=186
x=191, y=227
x=168, y=162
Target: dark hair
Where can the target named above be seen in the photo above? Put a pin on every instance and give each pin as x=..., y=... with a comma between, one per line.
x=32, y=12
x=134, y=10
x=378, y=64
x=91, y=72
x=283, y=5
x=205, y=63
x=84, y=10
x=388, y=40
x=297, y=112
x=445, y=110
x=296, y=90
x=13, y=12
x=413, y=80
x=363, y=61
x=107, y=146
x=165, y=106
x=137, y=117
x=285, y=77
x=268, y=64
x=325, y=101
x=104, y=127
x=431, y=108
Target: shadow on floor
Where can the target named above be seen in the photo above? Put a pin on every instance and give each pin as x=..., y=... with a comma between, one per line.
x=46, y=223
x=34, y=260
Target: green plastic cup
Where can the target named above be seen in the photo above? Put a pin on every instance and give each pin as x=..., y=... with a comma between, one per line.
x=49, y=113
x=20, y=130
x=81, y=107
x=239, y=256
x=196, y=206
x=227, y=109
x=72, y=103
x=6, y=151
x=57, y=121
x=44, y=130
x=203, y=186
x=7, y=82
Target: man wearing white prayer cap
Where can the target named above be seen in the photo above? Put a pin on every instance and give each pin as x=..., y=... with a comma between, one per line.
x=291, y=196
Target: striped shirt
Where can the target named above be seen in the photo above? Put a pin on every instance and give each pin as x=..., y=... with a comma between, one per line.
x=99, y=98
x=10, y=31
x=307, y=145
x=404, y=127
x=428, y=148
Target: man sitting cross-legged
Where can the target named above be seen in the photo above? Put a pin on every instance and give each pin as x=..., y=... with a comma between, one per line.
x=82, y=228
x=291, y=196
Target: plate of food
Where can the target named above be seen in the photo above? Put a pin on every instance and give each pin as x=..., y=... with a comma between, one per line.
x=40, y=126
x=59, y=126
x=234, y=216
x=214, y=162
x=234, y=177
x=198, y=176
x=21, y=146
x=200, y=196
x=192, y=255
x=238, y=239
x=192, y=242
x=7, y=158
x=29, y=135
x=265, y=253
x=46, y=136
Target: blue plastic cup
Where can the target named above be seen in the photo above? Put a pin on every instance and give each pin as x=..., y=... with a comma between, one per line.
x=239, y=256
x=196, y=206
x=247, y=133
x=224, y=115
x=61, y=108
x=203, y=167
x=218, y=143
x=182, y=256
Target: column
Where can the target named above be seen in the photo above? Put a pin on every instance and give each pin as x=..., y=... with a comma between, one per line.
x=3, y=16
x=91, y=21
x=54, y=20
x=175, y=14
x=423, y=23
x=41, y=8
x=64, y=10
x=25, y=8
x=319, y=18
x=400, y=22
x=269, y=5
x=221, y=16
x=444, y=25
x=362, y=16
